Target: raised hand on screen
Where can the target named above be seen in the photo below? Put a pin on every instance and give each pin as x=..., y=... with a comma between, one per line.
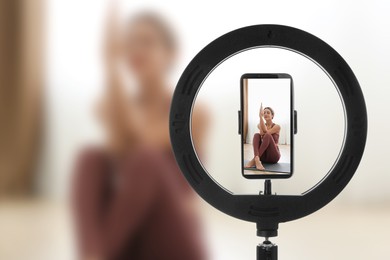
x=261, y=113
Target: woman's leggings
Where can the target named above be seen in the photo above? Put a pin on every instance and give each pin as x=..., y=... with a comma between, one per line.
x=266, y=148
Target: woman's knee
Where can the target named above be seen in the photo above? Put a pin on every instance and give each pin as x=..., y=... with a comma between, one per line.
x=267, y=135
x=256, y=138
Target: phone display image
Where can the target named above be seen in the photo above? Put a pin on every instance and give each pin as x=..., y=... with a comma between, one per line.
x=267, y=127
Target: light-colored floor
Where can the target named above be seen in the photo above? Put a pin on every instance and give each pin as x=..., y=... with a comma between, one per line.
x=36, y=230
x=336, y=232
x=41, y=230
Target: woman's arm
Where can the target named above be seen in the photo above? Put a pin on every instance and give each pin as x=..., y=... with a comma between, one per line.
x=274, y=130
x=116, y=109
x=261, y=125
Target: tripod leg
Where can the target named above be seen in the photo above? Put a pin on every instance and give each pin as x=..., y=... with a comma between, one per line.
x=267, y=251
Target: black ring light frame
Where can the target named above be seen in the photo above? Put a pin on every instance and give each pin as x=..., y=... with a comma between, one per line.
x=268, y=210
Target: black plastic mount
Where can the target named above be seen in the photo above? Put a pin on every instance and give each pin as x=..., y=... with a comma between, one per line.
x=267, y=251
x=268, y=211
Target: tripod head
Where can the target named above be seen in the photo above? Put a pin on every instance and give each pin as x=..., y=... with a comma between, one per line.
x=267, y=251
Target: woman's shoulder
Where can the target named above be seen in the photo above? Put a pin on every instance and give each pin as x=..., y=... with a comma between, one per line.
x=276, y=126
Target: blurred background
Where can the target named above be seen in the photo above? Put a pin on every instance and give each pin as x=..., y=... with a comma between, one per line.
x=51, y=76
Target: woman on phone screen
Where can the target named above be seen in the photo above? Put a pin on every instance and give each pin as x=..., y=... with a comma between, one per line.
x=265, y=143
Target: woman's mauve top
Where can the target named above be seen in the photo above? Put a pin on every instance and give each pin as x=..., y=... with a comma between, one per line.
x=275, y=135
x=134, y=208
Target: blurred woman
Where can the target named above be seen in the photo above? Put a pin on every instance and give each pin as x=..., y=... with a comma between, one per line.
x=130, y=199
x=265, y=143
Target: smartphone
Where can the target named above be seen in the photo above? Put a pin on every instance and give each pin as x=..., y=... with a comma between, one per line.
x=267, y=124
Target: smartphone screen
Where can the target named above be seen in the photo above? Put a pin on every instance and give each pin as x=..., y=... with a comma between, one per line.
x=267, y=125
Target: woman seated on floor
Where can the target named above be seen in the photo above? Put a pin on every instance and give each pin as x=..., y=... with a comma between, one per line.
x=265, y=143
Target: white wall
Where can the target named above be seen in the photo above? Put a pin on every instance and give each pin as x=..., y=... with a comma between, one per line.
x=358, y=30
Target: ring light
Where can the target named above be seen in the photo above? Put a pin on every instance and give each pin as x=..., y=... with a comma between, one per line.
x=268, y=210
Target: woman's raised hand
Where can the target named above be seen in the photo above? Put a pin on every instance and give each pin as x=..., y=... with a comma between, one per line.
x=261, y=113
x=111, y=47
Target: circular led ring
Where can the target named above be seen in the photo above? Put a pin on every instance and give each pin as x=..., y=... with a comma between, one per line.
x=268, y=211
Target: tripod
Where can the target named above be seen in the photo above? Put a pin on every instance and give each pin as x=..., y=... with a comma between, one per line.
x=267, y=250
